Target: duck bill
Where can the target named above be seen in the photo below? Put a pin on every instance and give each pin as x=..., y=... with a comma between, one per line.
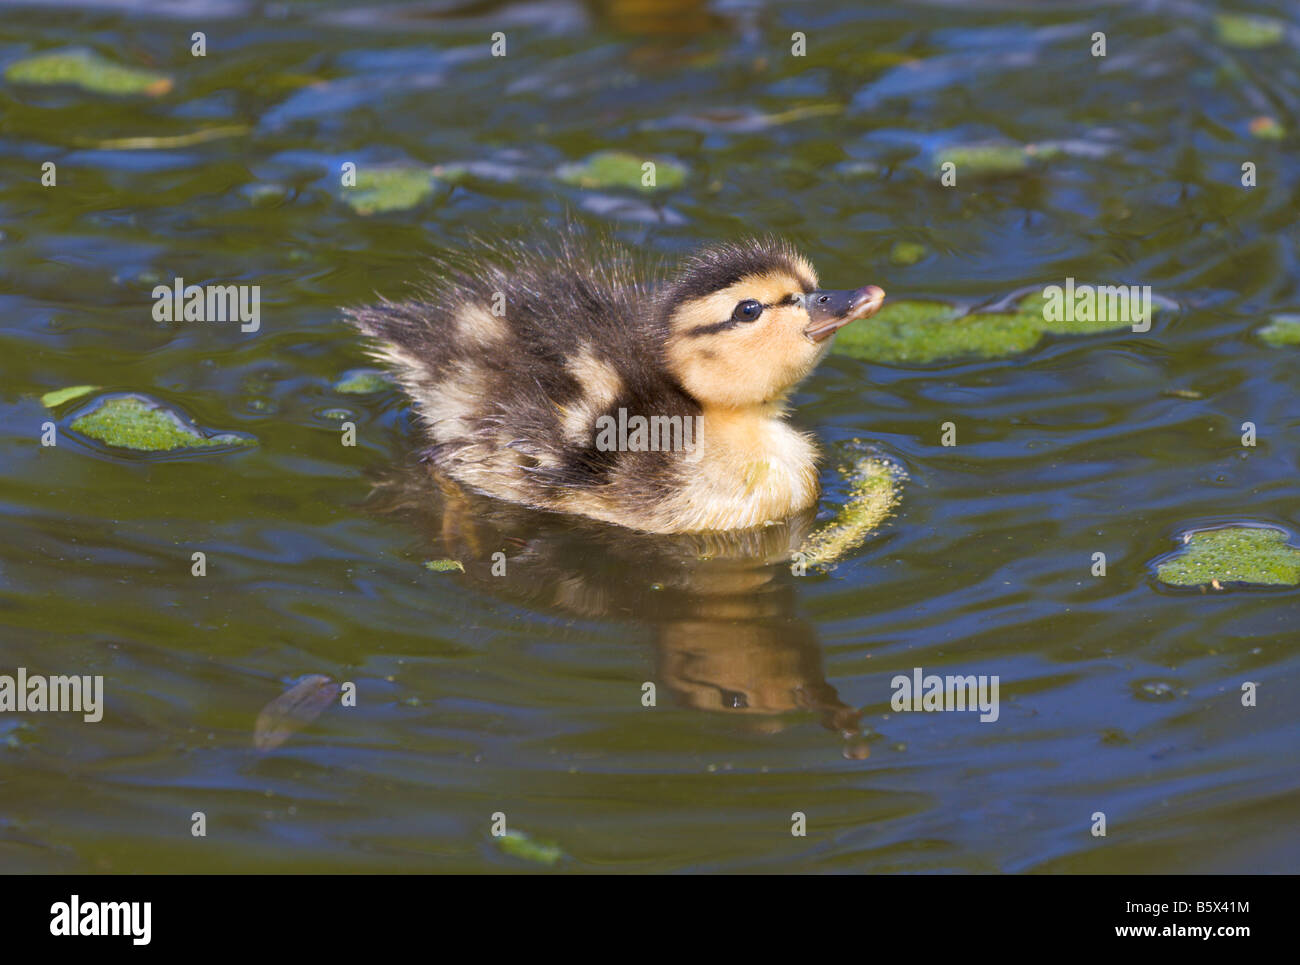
x=831, y=311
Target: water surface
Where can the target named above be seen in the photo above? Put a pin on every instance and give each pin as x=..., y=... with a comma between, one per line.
x=523, y=694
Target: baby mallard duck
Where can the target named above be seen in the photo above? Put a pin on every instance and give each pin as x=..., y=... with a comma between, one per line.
x=565, y=382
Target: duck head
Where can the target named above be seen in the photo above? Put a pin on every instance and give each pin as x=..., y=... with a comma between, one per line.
x=747, y=322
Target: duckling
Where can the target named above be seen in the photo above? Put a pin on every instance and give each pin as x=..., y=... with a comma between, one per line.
x=571, y=382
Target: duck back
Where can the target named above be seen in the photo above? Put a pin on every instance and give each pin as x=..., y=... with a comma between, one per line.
x=513, y=355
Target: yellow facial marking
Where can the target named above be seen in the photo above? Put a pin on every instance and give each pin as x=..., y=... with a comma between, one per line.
x=724, y=362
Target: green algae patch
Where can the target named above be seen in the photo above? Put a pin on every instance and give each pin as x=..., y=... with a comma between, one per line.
x=619, y=169
x=1235, y=554
x=517, y=844
x=135, y=422
x=906, y=253
x=875, y=489
x=1093, y=321
x=56, y=398
x=1282, y=330
x=89, y=71
x=924, y=332
x=444, y=566
x=389, y=189
x=1247, y=31
x=363, y=382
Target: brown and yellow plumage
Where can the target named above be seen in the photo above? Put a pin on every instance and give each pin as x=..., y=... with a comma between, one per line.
x=521, y=362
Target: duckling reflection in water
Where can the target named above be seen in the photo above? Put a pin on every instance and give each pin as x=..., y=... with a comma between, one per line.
x=517, y=360
x=720, y=606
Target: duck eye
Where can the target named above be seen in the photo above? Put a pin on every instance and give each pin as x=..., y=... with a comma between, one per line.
x=747, y=311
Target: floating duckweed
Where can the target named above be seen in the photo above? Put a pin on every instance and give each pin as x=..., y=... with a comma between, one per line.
x=389, y=189
x=906, y=253
x=1236, y=554
x=362, y=382
x=88, y=71
x=1098, y=316
x=984, y=160
x=875, y=487
x=444, y=566
x=931, y=331
x=134, y=422
x=922, y=332
x=618, y=169
x=1248, y=31
x=520, y=845
x=56, y=398
x=1282, y=330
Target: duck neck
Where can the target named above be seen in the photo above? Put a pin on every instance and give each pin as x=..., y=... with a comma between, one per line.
x=741, y=427
x=755, y=463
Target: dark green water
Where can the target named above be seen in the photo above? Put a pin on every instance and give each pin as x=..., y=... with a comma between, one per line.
x=523, y=695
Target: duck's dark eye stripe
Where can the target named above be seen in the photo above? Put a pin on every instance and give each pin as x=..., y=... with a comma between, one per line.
x=710, y=329
x=738, y=317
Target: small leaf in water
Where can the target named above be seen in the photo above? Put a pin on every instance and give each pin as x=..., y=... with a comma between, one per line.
x=1248, y=31
x=363, y=382
x=983, y=160
x=443, y=566
x=520, y=845
x=56, y=398
x=1282, y=330
x=293, y=710
x=906, y=253
x=88, y=71
x=619, y=169
x=1234, y=554
x=136, y=422
x=389, y=189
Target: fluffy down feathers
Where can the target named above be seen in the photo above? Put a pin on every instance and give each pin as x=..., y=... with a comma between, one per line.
x=511, y=354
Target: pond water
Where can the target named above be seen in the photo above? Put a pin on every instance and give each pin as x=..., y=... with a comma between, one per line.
x=523, y=694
